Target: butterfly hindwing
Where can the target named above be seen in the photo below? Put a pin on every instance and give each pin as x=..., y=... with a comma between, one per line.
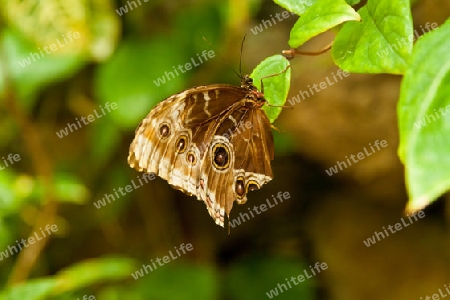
x=238, y=162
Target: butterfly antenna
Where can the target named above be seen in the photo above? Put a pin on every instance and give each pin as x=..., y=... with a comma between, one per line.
x=240, y=58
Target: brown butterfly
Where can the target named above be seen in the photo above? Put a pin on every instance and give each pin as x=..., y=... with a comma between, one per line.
x=214, y=142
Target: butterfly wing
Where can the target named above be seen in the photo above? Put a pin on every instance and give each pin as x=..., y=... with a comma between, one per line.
x=171, y=141
x=162, y=145
x=238, y=161
x=206, y=142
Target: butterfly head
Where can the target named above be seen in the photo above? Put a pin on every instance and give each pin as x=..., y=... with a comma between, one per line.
x=255, y=96
x=247, y=83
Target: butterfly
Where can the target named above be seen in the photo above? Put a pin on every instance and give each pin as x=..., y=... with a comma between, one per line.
x=213, y=142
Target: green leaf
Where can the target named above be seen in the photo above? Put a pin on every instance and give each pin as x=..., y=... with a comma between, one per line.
x=31, y=69
x=192, y=282
x=20, y=189
x=80, y=275
x=34, y=289
x=424, y=119
x=381, y=43
x=323, y=15
x=297, y=6
x=276, y=87
x=16, y=190
x=69, y=188
x=353, y=2
x=259, y=275
x=133, y=79
x=94, y=271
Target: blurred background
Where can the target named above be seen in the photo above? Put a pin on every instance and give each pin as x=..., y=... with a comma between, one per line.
x=61, y=61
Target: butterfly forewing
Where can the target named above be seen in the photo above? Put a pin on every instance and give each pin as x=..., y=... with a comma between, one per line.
x=208, y=102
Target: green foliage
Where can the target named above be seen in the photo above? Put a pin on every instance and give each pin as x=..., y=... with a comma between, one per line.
x=262, y=274
x=298, y=7
x=423, y=118
x=94, y=271
x=37, y=289
x=72, y=278
x=58, y=52
x=29, y=76
x=276, y=81
x=144, y=72
x=192, y=282
x=128, y=78
x=323, y=15
x=381, y=43
x=301, y=6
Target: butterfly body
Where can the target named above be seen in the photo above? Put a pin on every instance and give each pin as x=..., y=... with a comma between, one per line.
x=214, y=142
